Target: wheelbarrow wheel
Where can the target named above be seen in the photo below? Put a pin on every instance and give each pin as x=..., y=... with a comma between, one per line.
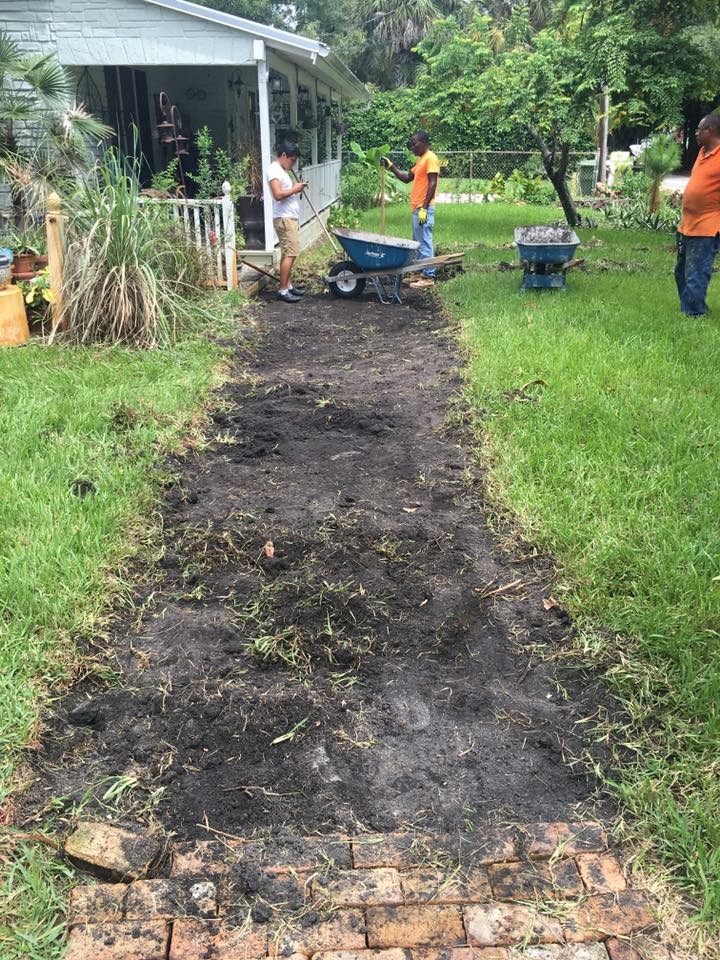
x=345, y=285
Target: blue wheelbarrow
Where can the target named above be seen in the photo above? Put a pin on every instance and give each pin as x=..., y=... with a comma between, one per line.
x=546, y=254
x=382, y=260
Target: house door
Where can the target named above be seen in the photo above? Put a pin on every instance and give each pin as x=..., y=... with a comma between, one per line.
x=129, y=110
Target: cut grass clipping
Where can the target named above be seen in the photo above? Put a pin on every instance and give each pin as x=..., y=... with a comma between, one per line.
x=610, y=462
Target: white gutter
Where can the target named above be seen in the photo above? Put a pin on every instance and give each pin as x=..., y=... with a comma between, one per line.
x=281, y=40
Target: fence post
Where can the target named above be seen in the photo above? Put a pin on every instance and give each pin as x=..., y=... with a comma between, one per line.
x=228, y=210
x=55, y=229
x=470, y=185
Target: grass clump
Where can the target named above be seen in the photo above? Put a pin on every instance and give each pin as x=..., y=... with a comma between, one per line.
x=130, y=276
x=612, y=468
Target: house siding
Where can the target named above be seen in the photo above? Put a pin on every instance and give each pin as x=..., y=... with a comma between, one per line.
x=138, y=34
x=32, y=26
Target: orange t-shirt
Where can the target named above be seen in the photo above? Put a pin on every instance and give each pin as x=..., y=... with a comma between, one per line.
x=426, y=164
x=701, y=201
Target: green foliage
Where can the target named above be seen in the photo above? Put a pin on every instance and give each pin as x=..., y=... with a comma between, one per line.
x=214, y=167
x=520, y=188
x=35, y=92
x=635, y=214
x=167, y=180
x=357, y=189
x=660, y=157
x=344, y=216
x=31, y=239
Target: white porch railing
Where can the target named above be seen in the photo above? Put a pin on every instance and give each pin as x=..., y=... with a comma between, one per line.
x=324, y=189
x=210, y=225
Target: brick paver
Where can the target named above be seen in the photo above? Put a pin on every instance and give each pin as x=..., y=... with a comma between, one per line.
x=550, y=891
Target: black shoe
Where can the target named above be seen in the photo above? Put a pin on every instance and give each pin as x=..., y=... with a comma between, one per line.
x=297, y=291
x=288, y=297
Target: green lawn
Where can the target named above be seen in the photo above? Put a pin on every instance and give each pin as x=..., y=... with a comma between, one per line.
x=614, y=469
x=83, y=435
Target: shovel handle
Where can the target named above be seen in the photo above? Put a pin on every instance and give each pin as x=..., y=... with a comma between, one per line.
x=333, y=242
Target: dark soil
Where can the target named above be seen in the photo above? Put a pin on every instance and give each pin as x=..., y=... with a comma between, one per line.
x=371, y=636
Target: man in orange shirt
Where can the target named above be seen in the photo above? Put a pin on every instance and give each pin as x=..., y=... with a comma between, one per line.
x=424, y=178
x=698, y=237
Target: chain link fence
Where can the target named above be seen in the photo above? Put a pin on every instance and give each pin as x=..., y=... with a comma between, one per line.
x=467, y=176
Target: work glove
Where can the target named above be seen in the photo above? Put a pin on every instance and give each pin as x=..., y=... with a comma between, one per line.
x=422, y=216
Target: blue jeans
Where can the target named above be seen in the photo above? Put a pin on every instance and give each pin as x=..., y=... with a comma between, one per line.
x=423, y=233
x=693, y=269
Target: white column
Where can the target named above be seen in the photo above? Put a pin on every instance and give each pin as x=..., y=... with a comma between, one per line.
x=265, y=145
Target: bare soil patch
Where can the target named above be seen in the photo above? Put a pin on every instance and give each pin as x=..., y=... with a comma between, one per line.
x=324, y=644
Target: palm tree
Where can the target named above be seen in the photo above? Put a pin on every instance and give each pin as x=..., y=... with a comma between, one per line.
x=399, y=24
x=661, y=157
x=43, y=135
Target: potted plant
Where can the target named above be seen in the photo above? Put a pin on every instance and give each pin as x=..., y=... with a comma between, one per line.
x=29, y=251
x=250, y=205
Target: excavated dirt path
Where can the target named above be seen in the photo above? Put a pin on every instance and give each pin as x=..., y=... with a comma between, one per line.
x=368, y=675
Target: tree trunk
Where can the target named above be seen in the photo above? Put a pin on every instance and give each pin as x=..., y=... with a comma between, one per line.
x=603, y=135
x=556, y=170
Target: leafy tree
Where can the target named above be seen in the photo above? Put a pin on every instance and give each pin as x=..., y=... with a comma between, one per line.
x=538, y=88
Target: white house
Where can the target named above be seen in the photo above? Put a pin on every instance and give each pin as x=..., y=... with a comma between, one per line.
x=242, y=79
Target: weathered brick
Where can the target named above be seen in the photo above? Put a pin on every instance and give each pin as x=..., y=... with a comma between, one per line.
x=112, y=852
x=361, y=888
x=504, y=924
x=544, y=840
x=204, y=858
x=317, y=933
x=619, y=914
x=429, y=925
x=97, y=903
x=304, y=853
x=166, y=899
x=600, y=872
x=118, y=941
x=492, y=845
x=568, y=951
x=404, y=850
x=393, y=954
x=217, y=940
x=461, y=953
x=439, y=886
x=246, y=883
x=639, y=948
x=387, y=850
x=530, y=881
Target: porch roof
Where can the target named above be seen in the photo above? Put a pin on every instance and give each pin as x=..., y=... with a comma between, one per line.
x=302, y=50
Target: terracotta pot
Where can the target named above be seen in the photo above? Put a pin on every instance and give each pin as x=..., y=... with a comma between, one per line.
x=42, y=261
x=24, y=263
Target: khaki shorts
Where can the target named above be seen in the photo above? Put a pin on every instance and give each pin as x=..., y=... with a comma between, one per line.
x=288, y=231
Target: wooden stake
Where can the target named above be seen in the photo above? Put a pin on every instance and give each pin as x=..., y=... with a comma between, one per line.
x=55, y=228
x=382, y=199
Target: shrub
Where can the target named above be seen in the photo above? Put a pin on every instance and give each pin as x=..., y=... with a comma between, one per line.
x=635, y=214
x=127, y=278
x=344, y=216
x=521, y=188
x=357, y=189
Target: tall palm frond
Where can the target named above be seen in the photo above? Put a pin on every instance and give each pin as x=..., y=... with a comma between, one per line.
x=47, y=78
